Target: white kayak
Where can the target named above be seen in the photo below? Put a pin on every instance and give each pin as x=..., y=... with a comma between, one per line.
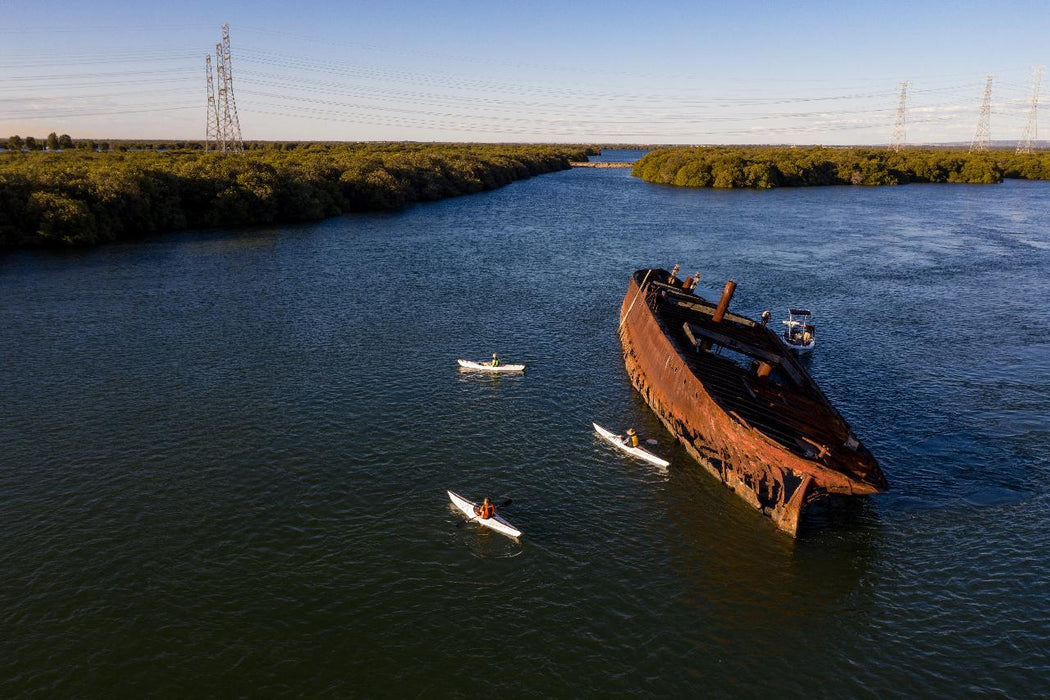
x=486, y=367
x=639, y=452
x=496, y=522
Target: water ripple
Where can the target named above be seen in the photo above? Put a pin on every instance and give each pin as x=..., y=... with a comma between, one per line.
x=225, y=454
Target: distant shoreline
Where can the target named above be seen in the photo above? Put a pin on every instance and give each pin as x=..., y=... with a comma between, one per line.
x=722, y=167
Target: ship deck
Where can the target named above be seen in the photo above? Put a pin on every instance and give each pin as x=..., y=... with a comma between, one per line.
x=787, y=406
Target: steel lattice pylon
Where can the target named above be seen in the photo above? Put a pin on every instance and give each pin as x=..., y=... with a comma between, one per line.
x=898, y=126
x=1031, y=129
x=224, y=126
x=212, y=136
x=982, y=139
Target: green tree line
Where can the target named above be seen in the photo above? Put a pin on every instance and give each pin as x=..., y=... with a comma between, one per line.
x=82, y=197
x=53, y=142
x=763, y=168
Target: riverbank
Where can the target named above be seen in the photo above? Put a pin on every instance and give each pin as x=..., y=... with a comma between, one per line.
x=83, y=199
x=765, y=168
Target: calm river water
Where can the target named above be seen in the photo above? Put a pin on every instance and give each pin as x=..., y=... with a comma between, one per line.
x=224, y=454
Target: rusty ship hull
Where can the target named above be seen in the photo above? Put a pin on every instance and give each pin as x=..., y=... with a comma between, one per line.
x=738, y=400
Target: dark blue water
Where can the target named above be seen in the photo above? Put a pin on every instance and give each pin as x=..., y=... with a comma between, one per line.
x=617, y=155
x=223, y=455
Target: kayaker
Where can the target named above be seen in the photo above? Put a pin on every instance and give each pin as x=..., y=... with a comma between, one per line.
x=632, y=438
x=486, y=510
x=495, y=360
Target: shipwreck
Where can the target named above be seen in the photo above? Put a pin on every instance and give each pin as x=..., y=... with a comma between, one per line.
x=739, y=400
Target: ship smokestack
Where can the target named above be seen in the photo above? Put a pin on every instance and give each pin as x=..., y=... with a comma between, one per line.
x=723, y=303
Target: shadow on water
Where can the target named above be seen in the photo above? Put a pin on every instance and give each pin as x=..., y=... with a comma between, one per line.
x=754, y=603
x=840, y=513
x=482, y=542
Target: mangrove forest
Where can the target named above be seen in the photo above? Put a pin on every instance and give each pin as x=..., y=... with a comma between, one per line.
x=83, y=197
x=763, y=168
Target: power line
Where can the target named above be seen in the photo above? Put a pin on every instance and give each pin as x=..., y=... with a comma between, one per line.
x=69, y=76
x=65, y=96
x=64, y=114
x=334, y=111
x=424, y=97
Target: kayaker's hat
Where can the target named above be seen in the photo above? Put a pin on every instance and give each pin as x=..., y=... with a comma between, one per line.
x=630, y=431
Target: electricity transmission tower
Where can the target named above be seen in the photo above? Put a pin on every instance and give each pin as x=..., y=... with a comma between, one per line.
x=982, y=139
x=1031, y=129
x=898, y=126
x=212, y=137
x=226, y=127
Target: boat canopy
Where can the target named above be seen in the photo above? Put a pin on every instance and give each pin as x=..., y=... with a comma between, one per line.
x=799, y=312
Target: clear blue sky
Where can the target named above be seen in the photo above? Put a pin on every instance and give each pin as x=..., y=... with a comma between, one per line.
x=633, y=72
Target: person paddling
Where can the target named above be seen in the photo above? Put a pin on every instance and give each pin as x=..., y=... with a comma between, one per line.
x=486, y=510
x=495, y=360
x=632, y=438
